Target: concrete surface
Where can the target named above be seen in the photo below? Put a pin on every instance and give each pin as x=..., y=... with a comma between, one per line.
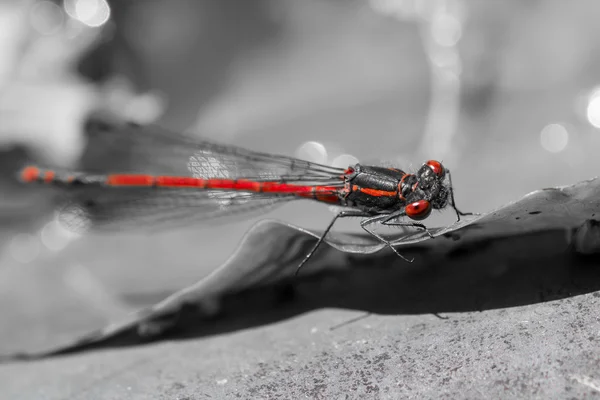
x=540, y=351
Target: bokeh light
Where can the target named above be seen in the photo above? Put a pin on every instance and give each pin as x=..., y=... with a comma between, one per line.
x=312, y=151
x=93, y=13
x=145, y=108
x=55, y=237
x=446, y=30
x=593, y=109
x=344, y=161
x=554, y=138
x=24, y=248
x=446, y=59
x=46, y=17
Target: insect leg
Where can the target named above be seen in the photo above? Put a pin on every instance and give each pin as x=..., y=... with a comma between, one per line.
x=378, y=218
x=458, y=212
x=342, y=214
x=389, y=221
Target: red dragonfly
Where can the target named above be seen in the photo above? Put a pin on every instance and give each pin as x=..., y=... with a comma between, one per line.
x=212, y=181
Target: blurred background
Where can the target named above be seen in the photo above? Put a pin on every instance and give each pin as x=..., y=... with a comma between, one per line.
x=505, y=93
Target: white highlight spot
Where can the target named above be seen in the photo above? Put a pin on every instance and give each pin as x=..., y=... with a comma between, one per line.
x=446, y=30
x=344, y=161
x=146, y=108
x=447, y=59
x=46, y=17
x=593, y=109
x=55, y=237
x=312, y=151
x=554, y=138
x=24, y=247
x=93, y=13
x=221, y=381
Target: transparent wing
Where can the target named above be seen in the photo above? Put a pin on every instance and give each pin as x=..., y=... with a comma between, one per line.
x=154, y=150
x=131, y=209
x=128, y=148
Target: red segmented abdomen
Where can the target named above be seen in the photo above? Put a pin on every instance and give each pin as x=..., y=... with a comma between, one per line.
x=328, y=194
x=34, y=174
x=322, y=193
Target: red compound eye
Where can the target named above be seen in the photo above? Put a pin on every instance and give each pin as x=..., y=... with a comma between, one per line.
x=418, y=210
x=437, y=167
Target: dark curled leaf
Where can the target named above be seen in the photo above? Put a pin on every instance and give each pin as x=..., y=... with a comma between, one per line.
x=522, y=253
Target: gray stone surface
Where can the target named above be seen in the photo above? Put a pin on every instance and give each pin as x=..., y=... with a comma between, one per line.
x=540, y=351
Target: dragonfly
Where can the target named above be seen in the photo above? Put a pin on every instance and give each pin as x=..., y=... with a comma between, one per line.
x=194, y=180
